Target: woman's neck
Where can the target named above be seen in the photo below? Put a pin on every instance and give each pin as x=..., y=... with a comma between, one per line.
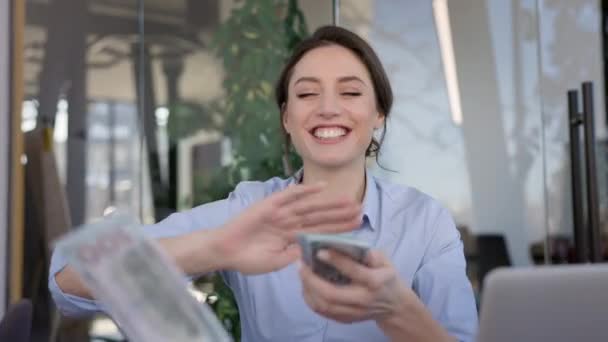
x=348, y=182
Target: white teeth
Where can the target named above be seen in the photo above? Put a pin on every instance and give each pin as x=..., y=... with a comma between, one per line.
x=329, y=132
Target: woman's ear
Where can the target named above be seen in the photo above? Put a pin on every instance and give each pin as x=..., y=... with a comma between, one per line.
x=284, y=117
x=379, y=121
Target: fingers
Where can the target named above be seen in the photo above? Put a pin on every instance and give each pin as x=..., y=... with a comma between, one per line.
x=338, y=227
x=342, y=214
x=315, y=215
x=373, y=276
x=376, y=259
x=316, y=204
x=340, y=313
x=302, y=200
x=330, y=294
x=370, y=295
x=302, y=207
x=337, y=215
x=294, y=192
x=347, y=266
x=286, y=257
x=292, y=231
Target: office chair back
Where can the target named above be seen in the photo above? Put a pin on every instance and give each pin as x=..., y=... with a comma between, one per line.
x=492, y=253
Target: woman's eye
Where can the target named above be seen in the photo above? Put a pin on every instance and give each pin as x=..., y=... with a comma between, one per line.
x=351, y=93
x=305, y=95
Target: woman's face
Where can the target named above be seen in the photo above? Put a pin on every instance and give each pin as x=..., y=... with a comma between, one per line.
x=331, y=111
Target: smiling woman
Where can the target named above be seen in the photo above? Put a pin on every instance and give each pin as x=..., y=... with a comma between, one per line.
x=370, y=80
x=333, y=93
x=335, y=106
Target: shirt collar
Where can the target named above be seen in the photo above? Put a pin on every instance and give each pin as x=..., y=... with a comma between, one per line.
x=371, y=200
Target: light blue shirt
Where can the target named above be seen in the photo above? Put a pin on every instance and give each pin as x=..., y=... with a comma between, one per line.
x=413, y=229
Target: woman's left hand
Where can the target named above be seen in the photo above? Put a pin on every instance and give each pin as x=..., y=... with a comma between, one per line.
x=375, y=291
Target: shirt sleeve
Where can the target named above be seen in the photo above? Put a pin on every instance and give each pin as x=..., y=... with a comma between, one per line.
x=442, y=284
x=207, y=216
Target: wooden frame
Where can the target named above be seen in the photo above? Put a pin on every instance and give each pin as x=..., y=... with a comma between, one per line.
x=4, y=153
x=16, y=185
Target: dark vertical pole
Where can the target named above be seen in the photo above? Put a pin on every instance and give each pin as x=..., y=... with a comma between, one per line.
x=591, y=174
x=77, y=113
x=138, y=53
x=147, y=104
x=336, y=12
x=580, y=237
x=173, y=69
x=53, y=74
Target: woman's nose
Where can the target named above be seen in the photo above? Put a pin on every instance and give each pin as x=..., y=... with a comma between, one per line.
x=329, y=106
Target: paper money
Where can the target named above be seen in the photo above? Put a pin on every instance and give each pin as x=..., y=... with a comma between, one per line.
x=137, y=284
x=312, y=243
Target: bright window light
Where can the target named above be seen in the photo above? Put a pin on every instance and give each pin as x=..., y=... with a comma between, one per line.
x=162, y=116
x=444, y=33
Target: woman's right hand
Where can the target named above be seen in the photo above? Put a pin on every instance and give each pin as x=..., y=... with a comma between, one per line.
x=259, y=240
x=262, y=238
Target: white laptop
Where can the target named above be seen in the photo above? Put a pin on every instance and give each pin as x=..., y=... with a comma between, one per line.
x=547, y=303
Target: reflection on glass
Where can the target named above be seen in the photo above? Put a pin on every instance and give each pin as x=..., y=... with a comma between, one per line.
x=82, y=131
x=487, y=169
x=79, y=77
x=571, y=50
x=210, y=116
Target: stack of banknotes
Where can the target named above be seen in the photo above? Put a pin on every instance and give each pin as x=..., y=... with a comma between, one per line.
x=136, y=284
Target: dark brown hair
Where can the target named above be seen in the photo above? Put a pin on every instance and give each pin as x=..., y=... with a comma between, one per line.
x=335, y=35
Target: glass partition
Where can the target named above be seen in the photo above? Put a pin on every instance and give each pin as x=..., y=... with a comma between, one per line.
x=153, y=107
x=210, y=103
x=82, y=132
x=570, y=43
x=466, y=123
x=81, y=83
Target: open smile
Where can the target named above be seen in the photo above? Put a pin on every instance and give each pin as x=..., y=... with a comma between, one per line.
x=329, y=134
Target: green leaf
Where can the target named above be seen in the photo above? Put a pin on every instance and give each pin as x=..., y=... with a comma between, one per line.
x=250, y=35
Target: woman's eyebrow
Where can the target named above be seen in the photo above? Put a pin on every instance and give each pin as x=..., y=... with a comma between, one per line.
x=342, y=79
x=345, y=79
x=307, y=79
